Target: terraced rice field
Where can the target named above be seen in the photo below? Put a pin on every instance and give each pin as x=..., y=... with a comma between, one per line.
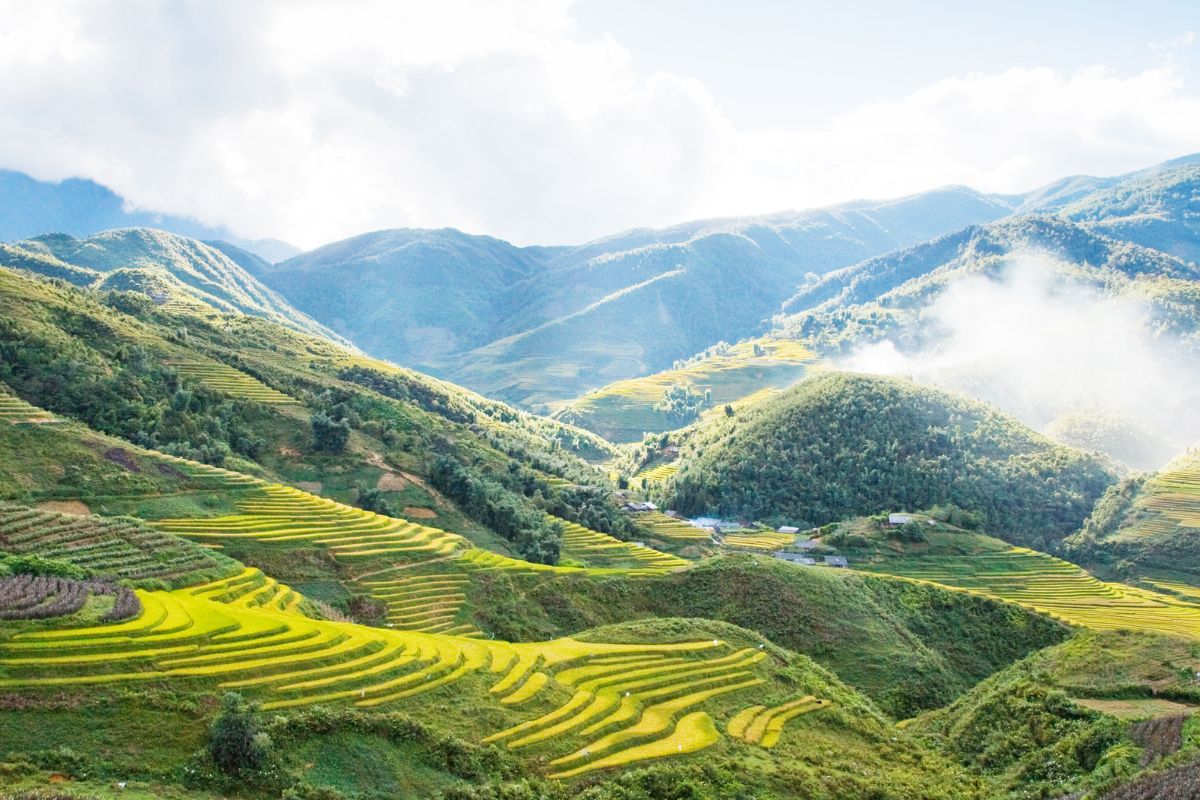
x=657, y=474
x=675, y=530
x=1052, y=586
x=629, y=709
x=233, y=382
x=1169, y=501
x=763, y=726
x=601, y=550
x=121, y=548
x=624, y=411
x=14, y=410
x=246, y=633
x=427, y=602
x=277, y=513
x=767, y=540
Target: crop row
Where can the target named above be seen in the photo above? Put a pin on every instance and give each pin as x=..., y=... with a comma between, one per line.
x=671, y=528
x=283, y=514
x=766, y=540
x=763, y=726
x=1054, y=587
x=15, y=410
x=602, y=550
x=626, y=708
x=233, y=382
x=123, y=548
x=45, y=596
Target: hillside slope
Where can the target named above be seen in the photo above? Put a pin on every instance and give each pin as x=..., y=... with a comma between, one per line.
x=1000, y=311
x=838, y=445
x=164, y=266
x=532, y=324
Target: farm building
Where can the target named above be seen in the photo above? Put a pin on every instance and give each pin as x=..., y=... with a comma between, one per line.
x=787, y=529
x=795, y=558
x=899, y=519
x=705, y=522
x=836, y=561
x=647, y=506
x=804, y=544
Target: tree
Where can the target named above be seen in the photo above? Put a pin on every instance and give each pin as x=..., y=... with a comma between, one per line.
x=235, y=743
x=330, y=434
x=681, y=402
x=371, y=498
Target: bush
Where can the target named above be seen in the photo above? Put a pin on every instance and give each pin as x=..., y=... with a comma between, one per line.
x=330, y=434
x=236, y=744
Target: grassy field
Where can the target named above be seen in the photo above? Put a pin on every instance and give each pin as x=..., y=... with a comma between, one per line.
x=624, y=411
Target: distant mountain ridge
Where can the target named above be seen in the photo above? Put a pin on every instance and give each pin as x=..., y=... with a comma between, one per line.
x=537, y=324
x=82, y=207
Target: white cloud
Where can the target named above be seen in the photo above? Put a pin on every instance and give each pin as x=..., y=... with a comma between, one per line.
x=312, y=121
x=1044, y=346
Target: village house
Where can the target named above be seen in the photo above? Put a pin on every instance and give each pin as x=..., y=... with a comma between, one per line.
x=899, y=519
x=836, y=561
x=795, y=558
x=787, y=529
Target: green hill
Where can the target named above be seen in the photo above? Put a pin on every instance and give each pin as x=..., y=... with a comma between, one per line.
x=839, y=445
x=1146, y=528
x=164, y=266
x=625, y=411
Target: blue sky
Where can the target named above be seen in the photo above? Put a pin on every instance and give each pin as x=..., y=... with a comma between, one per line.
x=551, y=121
x=779, y=63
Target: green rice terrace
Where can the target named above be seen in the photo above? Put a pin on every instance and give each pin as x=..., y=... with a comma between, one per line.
x=1051, y=586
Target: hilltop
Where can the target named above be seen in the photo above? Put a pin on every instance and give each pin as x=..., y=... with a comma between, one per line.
x=838, y=445
x=164, y=266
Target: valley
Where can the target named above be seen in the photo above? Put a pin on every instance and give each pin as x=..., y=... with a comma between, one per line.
x=687, y=545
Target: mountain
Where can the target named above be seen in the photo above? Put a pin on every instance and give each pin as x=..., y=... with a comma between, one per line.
x=1044, y=316
x=82, y=207
x=161, y=265
x=839, y=445
x=535, y=324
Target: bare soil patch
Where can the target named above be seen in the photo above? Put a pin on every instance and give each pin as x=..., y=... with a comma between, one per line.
x=122, y=457
x=390, y=482
x=77, y=507
x=313, y=487
x=416, y=512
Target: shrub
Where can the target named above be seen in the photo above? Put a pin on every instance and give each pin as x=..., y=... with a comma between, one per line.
x=235, y=744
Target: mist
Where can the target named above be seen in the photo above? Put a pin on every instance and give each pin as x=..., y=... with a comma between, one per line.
x=1084, y=367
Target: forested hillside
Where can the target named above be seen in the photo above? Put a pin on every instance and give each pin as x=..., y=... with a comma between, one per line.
x=244, y=392
x=839, y=445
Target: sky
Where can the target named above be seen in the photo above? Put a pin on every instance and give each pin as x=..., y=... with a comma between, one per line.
x=555, y=122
